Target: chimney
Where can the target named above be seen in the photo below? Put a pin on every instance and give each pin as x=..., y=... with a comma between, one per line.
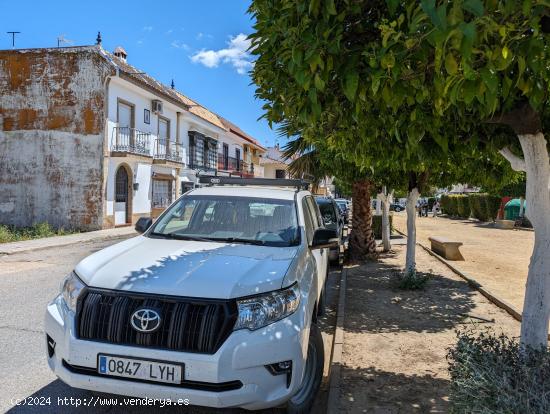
x=120, y=53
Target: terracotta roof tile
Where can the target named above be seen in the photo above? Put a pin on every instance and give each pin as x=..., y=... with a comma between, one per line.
x=143, y=78
x=236, y=130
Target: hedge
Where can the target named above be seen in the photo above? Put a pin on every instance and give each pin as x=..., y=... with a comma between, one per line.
x=491, y=374
x=377, y=225
x=478, y=206
x=463, y=206
x=483, y=207
x=492, y=206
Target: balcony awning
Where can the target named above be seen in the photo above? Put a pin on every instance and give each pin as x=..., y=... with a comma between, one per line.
x=160, y=176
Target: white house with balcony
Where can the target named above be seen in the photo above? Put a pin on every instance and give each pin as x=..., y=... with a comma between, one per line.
x=160, y=141
x=99, y=143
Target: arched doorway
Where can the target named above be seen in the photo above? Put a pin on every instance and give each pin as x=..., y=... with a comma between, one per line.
x=123, y=200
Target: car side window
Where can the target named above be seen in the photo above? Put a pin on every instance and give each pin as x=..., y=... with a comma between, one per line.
x=315, y=213
x=308, y=222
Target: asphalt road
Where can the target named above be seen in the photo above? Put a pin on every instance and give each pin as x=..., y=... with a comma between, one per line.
x=28, y=281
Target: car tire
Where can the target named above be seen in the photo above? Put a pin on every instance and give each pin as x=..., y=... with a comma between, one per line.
x=304, y=398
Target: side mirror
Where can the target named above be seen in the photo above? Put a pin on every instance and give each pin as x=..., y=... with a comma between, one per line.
x=324, y=238
x=143, y=224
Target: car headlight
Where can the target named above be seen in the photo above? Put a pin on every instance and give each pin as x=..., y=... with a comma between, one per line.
x=70, y=289
x=261, y=310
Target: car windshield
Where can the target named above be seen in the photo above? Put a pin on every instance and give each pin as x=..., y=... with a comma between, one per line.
x=342, y=204
x=260, y=221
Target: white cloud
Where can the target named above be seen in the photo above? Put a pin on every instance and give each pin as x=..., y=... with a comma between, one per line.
x=147, y=28
x=169, y=31
x=179, y=45
x=236, y=54
x=139, y=42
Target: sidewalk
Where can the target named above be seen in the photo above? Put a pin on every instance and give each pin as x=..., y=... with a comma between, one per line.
x=58, y=241
x=395, y=341
x=497, y=259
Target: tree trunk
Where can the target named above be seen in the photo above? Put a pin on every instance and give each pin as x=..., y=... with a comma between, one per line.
x=378, y=207
x=410, y=262
x=386, y=231
x=385, y=199
x=361, y=241
x=536, y=306
x=521, y=206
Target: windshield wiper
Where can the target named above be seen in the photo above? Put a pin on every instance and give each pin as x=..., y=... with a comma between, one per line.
x=239, y=240
x=176, y=236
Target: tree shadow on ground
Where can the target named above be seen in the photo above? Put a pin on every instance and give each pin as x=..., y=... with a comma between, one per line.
x=369, y=390
x=376, y=304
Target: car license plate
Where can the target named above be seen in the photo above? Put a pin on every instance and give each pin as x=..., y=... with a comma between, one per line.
x=140, y=369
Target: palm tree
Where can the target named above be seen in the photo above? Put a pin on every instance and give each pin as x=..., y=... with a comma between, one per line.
x=315, y=163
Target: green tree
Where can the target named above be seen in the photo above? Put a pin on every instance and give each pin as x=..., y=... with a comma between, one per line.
x=418, y=81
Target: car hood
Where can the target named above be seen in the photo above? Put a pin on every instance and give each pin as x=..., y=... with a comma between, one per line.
x=187, y=268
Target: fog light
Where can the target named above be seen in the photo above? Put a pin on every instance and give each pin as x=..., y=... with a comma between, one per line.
x=280, y=368
x=51, y=346
x=285, y=365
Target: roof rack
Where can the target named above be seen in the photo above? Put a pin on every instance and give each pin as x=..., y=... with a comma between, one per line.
x=267, y=182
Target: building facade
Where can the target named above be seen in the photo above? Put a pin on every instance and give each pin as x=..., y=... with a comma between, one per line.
x=87, y=141
x=274, y=163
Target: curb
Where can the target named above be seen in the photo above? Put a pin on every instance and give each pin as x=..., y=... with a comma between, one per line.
x=333, y=403
x=501, y=303
x=60, y=243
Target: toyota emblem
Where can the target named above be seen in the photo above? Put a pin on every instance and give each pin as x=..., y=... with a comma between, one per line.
x=145, y=320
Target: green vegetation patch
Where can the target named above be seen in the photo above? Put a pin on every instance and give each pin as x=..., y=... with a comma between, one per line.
x=493, y=374
x=37, y=231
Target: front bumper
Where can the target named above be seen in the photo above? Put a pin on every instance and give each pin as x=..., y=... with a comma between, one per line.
x=242, y=357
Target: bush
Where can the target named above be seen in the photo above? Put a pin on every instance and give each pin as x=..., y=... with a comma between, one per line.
x=377, y=225
x=462, y=205
x=455, y=205
x=476, y=209
x=490, y=374
x=36, y=231
x=412, y=280
x=492, y=205
x=447, y=205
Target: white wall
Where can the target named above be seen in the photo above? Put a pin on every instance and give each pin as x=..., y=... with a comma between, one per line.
x=269, y=169
x=140, y=173
x=233, y=141
x=142, y=170
x=141, y=99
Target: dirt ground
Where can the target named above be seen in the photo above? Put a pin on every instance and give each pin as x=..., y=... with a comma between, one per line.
x=497, y=259
x=395, y=341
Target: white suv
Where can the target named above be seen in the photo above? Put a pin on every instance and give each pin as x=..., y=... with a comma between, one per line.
x=216, y=303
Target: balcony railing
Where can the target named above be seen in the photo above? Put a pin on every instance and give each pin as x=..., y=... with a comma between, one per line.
x=229, y=163
x=131, y=140
x=166, y=150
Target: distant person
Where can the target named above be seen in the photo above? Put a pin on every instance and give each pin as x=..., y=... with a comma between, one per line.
x=435, y=209
x=424, y=209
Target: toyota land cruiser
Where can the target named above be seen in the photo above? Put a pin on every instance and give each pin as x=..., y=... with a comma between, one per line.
x=216, y=302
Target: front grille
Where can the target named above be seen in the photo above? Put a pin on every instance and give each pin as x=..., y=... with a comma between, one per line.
x=188, y=324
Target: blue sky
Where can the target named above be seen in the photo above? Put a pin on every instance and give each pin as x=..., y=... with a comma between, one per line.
x=199, y=44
